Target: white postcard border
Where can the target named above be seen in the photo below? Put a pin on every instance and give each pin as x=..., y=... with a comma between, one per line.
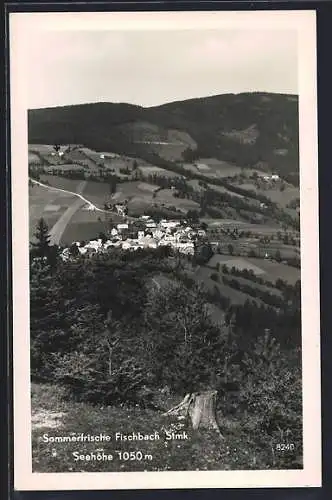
x=305, y=24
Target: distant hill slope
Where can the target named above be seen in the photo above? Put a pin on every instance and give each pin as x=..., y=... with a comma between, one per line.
x=249, y=129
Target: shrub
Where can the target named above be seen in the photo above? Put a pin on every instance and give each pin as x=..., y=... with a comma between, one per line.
x=268, y=393
x=88, y=378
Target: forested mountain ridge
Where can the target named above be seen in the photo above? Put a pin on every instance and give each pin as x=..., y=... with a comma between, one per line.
x=249, y=129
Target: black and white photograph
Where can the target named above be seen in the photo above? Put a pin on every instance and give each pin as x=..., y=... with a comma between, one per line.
x=165, y=249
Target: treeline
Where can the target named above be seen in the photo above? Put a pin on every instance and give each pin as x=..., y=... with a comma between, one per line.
x=249, y=274
x=231, y=249
x=268, y=298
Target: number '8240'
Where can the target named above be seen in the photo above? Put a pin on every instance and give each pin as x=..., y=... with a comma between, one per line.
x=285, y=447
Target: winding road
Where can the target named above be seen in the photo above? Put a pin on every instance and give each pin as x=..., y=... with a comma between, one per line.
x=80, y=188
x=59, y=227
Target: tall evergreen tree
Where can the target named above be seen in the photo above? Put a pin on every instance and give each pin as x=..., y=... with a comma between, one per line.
x=42, y=245
x=42, y=248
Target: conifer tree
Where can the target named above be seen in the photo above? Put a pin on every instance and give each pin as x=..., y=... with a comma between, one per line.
x=42, y=248
x=42, y=245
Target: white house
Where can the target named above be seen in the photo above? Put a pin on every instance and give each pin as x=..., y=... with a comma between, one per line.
x=94, y=245
x=147, y=242
x=120, y=209
x=185, y=248
x=169, y=224
x=158, y=234
x=152, y=243
x=65, y=254
x=122, y=227
x=140, y=235
x=126, y=245
x=151, y=225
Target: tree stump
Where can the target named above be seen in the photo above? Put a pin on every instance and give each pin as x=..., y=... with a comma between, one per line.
x=201, y=408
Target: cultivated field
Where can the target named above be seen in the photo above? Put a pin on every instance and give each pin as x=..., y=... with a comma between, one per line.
x=165, y=197
x=66, y=215
x=144, y=186
x=195, y=185
x=50, y=205
x=242, y=246
x=275, y=270
x=96, y=192
x=128, y=190
x=263, y=229
x=152, y=170
x=61, y=182
x=258, y=286
x=222, y=189
x=282, y=197
x=64, y=167
x=238, y=262
x=33, y=157
x=83, y=230
x=211, y=167
x=264, y=268
x=41, y=148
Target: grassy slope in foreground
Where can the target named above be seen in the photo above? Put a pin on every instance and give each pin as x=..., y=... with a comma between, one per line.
x=241, y=449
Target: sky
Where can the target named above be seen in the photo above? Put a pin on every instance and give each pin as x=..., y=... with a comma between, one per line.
x=154, y=67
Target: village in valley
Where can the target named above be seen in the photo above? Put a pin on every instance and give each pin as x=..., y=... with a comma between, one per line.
x=123, y=190
x=174, y=234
